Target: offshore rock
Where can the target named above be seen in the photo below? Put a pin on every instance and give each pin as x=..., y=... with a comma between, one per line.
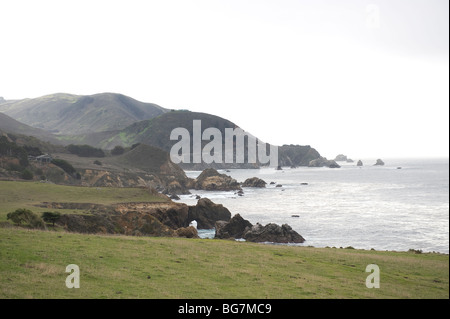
x=323, y=161
x=211, y=180
x=254, y=182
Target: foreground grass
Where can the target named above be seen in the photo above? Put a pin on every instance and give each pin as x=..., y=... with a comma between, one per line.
x=33, y=263
x=15, y=195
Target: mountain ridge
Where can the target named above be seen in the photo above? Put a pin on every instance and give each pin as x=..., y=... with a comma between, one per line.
x=70, y=114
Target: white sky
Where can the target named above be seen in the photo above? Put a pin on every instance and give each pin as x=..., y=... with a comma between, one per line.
x=363, y=78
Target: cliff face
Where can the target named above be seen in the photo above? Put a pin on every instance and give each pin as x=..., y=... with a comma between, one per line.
x=164, y=218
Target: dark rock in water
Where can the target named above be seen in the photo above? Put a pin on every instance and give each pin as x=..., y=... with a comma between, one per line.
x=279, y=185
x=235, y=228
x=399, y=167
x=349, y=160
x=303, y=183
x=238, y=227
x=197, y=197
x=272, y=183
x=334, y=165
x=379, y=162
x=254, y=182
x=295, y=216
x=360, y=163
x=273, y=233
x=174, y=196
x=206, y=213
x=323, y=162
x=279, y=168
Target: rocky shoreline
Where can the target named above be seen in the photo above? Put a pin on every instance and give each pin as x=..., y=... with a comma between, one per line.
x=168, y=219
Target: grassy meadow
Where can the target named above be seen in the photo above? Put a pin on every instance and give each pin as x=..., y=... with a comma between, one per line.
x=33, y=262
x=28, y=195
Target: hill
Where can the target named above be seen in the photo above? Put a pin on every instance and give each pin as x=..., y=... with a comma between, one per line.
x=156, y=132
x=10, y=125
x=80, y=114
x=107, y=120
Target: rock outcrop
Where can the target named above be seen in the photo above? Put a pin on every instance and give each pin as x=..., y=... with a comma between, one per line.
x=238, y=227
x=323, y=162
x=254, y=182
x=167, y=218
x=379, y=162
x=273, y=233
x=235, y=228
x=207, y=213
x=360, y=163
x=212, y=180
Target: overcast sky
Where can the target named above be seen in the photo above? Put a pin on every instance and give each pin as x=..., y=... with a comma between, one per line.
x=363, y=78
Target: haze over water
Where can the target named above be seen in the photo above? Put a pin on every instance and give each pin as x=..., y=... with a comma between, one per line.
x=378, y=207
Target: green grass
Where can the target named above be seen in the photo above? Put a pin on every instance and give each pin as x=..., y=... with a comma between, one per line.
x=15, y=195
x=33, y=263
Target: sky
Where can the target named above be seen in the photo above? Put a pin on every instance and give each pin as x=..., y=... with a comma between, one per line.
x=358, y=77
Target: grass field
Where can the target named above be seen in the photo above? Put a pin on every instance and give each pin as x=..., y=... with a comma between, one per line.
x=15, y=195
x=33, y=263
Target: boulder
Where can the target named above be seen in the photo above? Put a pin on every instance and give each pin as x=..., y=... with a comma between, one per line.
x=379, y=162
x=273, y=233
x=207, y=213
x=360, y=163
x=254, y=182
x=211, y=180
x=235, y=228
x=187, y=232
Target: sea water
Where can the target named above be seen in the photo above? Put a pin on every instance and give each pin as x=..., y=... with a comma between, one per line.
x=399, y=206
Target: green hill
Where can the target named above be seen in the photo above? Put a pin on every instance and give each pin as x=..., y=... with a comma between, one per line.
x=10, y=125
x=80, y=114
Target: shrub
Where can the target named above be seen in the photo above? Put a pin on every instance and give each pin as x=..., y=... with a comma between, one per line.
x=51, y=217
x=65, y=165
x=26, y=174
x=118, y=150
x=26, y=216
x=85, y=150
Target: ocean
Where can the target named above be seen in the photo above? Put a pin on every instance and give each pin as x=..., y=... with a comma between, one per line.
x=399, y=206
